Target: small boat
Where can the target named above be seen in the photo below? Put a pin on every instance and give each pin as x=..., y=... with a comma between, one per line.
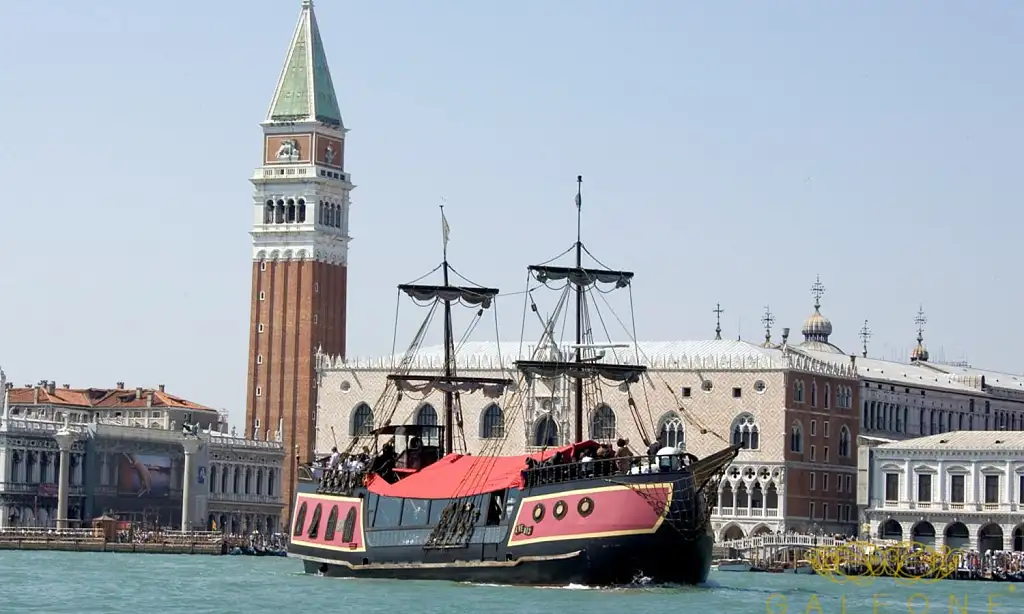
x=732, y=565
x=801, y=567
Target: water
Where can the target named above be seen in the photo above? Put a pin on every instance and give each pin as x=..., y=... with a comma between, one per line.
x=72, y=583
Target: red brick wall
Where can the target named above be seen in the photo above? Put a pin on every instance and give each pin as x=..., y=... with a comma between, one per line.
x=799, y=465
x=303, y=308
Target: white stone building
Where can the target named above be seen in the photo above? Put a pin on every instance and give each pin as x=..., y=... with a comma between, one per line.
x=960, y=489
x=235, y=482
x=796, y=414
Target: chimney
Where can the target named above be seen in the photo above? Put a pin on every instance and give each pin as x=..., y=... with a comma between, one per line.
x=138, y=392
x=35, y=395
x=51, y=388
x=161, y=387
x=853, y=360
x=120, y=385
x=67, y=386
x=149, y=399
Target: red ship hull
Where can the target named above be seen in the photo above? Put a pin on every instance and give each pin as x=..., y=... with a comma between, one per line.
x=592, y=531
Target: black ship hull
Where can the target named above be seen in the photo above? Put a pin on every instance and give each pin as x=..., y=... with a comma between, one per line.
x=596, y=531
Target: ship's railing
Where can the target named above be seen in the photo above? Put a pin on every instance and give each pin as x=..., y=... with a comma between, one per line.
x=551, y=471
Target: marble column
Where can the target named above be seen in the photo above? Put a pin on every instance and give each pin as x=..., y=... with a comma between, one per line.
x=65, y=439
x=191, y=446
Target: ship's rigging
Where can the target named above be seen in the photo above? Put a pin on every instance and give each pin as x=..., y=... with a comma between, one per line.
x=588, y=370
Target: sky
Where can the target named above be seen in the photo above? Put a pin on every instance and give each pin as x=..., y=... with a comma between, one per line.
x=731, y=152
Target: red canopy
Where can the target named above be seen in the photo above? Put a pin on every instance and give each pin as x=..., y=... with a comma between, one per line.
x=458, y=475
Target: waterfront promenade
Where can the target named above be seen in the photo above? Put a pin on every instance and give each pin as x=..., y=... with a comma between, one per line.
x=97, y=540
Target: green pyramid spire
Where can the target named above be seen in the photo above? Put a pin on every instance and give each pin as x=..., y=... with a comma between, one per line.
x=305, y=91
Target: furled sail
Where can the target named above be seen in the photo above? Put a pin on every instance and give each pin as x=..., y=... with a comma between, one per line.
x=581, y=276
x=491, y=386
x=468, y=295
x=582, y=370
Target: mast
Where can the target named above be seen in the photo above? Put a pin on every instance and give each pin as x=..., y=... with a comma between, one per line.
x=579, y=310
x=479, y=298
x=579, y=366
x=449, y=405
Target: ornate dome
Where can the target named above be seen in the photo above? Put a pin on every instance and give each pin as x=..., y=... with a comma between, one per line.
x=817, y=327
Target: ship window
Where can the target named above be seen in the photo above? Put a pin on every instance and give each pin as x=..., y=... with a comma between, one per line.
x=436, y=508
x=389, y=512
x=300, y=519
x=314, y=523
x=415, y=512
x=332, y=524
x=348, y=530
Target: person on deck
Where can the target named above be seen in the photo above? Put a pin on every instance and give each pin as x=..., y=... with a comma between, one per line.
x=335, y=458
x=623, y=455
x=652, y=450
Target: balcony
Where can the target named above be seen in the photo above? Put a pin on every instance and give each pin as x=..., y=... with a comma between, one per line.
x=747, y=512
x=960, y=507
x=240, y=498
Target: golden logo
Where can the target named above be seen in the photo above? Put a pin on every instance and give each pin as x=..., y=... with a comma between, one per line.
x=859, y=562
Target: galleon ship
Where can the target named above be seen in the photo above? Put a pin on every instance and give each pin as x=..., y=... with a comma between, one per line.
x=410, y=502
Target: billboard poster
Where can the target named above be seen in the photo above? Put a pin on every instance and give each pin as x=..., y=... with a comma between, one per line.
x=144, y=475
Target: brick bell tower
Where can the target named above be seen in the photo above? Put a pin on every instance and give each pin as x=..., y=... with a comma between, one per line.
x=299, y=249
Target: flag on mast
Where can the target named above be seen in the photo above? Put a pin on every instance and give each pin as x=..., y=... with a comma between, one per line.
x=444, y=228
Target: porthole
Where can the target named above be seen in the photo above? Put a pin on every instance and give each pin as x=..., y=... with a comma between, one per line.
x=538, y=512
x=585, y=506
x=346, y=386
x=706, y=385
x=760, y=386
x=559, y=510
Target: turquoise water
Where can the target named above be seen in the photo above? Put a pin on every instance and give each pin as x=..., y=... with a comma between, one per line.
x=67, y=582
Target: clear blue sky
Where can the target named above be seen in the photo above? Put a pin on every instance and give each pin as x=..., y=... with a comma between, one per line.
x=730, y=152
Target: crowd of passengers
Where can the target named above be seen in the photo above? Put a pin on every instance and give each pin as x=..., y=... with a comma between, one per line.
x=605, y=459
x=345, y=471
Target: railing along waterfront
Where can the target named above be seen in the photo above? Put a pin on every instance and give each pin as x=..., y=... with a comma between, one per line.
x=49, y=534
x=782, y=540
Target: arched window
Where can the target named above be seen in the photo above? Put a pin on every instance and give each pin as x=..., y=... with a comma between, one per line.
x=602, y=423
x=300, y=520
x=492, y=422
x=332, y=524
x=546, y=432
x=796, y=438
x=671, y=431
x=798, y=391
x=828, y=396
x=844, y=442
x=426, y=415
x=745, y=432
x=362, y=420
x=314, y=523
x=814, y=394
